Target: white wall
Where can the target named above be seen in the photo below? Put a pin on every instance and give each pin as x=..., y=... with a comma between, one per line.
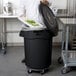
x=71, y=7
x=60, y=4
x=15, y=2
x=13, y=28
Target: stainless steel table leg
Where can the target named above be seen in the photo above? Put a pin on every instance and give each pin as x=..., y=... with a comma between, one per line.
x=3, y=36
x=63, y=38
x=66, y=45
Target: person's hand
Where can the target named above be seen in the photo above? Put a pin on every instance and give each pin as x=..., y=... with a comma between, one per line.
x=45, y=2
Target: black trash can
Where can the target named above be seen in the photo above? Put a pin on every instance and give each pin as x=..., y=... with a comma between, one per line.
x=38, y=48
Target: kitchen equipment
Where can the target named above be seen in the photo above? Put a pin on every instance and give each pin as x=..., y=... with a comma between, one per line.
x=8, y=8
x=37, y=48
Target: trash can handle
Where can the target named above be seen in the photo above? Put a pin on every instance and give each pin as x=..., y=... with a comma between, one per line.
x=37, y=32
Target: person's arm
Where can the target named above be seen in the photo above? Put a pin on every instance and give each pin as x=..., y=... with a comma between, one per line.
x=47, y=2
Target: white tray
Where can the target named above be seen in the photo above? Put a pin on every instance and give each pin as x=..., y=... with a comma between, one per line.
x=24, y=21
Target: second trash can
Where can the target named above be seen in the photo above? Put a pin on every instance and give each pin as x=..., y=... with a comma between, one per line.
x=38, y=49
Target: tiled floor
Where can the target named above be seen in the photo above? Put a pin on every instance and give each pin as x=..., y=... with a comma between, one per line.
x=10, y=64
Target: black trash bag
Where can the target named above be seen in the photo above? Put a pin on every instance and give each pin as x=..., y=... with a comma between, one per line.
x=49, y=19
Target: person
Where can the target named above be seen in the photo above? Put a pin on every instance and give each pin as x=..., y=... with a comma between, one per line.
x=29, y=9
